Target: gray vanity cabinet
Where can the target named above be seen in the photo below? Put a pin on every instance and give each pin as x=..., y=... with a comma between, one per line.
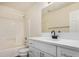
x=43, y=49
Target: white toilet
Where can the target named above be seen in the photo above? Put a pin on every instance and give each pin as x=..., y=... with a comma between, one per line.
x=23, y=52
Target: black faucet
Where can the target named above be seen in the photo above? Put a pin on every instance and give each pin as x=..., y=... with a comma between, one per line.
x=54, y=36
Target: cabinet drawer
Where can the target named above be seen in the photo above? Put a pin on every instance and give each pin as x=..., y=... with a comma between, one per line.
x=63, y=52
x=47, y=55
x=43, y=54
x=44, y=47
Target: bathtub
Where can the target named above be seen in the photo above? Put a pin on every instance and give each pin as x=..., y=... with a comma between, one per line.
x=10, y=52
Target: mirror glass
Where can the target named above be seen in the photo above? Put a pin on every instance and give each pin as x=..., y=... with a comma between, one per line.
x=61, y=16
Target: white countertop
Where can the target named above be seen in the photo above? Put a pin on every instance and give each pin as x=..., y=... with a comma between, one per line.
x=72, y=44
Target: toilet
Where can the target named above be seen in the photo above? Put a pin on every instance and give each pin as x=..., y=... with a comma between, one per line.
x=23, y=52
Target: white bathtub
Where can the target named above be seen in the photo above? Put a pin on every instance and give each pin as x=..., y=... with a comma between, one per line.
x=11, y=52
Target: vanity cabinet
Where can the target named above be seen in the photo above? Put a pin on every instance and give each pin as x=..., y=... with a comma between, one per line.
x=42, y=49
x=65, y=52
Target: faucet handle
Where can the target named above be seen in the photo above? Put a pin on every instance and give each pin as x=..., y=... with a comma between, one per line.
x=52, y=31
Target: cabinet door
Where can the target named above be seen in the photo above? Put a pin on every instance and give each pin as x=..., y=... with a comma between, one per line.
x=51, y=49
x=34, y=52
x=63, y=52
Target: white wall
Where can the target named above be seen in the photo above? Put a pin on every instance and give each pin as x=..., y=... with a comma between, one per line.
x=33, y=17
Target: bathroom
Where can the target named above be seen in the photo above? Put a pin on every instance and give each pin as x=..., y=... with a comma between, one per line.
x=39, y=29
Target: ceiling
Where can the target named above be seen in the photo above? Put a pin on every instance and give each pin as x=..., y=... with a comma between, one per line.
x=21, y=6
x=24, y=6
x=55, y=6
